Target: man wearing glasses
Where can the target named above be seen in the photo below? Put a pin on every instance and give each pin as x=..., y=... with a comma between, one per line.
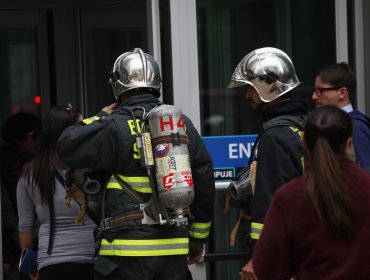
x=333, y=86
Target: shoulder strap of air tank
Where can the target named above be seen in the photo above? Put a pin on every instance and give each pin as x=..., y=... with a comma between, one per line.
x=132, y=193
x=285, y=120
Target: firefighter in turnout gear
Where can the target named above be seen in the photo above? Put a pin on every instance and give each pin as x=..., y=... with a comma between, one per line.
x=158, y=204
x=268, y=76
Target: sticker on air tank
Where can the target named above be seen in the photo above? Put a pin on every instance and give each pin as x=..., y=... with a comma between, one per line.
x=180, y=179
x=161, y=150
x=172, y=163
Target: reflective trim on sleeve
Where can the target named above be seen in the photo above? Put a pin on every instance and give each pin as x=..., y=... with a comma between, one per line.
x=200, y=230
x=90, y=120
x=256, y=230
x=302, y=160
x=140, y=248
x=139, y=184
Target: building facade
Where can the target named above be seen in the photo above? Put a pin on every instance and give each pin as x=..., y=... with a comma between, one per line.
x=61, y=51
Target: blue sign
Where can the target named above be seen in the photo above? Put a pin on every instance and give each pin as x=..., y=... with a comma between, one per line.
x=229, y=151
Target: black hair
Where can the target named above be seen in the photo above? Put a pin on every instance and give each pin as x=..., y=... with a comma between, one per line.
x=18, y=125
x=40, y=171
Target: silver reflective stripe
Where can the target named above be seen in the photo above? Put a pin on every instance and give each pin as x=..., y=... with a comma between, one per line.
x=256, y=229
x=200, y=230
x=143, y=247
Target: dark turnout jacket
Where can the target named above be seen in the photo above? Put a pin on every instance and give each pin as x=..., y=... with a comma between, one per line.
x=108, y=143
x=279, y=155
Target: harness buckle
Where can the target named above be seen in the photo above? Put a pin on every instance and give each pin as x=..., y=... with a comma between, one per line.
x=106, y=224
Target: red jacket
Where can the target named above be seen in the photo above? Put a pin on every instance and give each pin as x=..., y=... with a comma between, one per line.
x=295, y=242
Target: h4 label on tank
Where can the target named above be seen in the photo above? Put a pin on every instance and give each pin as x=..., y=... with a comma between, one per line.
x=168, y=122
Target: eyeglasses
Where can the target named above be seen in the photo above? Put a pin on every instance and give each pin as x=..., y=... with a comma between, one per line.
x=34, y=135
x=320, y=90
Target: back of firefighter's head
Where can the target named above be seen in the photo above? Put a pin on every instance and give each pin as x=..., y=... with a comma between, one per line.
x=268, y=71
x=135, y=71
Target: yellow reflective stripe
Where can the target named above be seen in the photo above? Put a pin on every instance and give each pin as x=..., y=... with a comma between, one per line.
x=201, y=225
x=302, y=160
x=152, y=247
x=256, y=229
x=135, y=179
x=200, y=230
x=139, y=184
x=90, y=120
x=114, y=185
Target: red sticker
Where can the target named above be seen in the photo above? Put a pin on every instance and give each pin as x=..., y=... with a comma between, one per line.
x=180, y=179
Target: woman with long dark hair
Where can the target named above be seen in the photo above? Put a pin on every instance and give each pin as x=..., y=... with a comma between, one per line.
x=65, y=249
x=318, y=225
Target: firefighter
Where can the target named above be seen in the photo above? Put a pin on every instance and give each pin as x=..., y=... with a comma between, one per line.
x=268, y=77
x=134, y=243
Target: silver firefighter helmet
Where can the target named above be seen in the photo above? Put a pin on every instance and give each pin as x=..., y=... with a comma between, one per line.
x=269, y=71
x=133, y=70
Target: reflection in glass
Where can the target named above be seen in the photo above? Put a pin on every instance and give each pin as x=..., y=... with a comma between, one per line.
x=120, y=28
x=19, y=78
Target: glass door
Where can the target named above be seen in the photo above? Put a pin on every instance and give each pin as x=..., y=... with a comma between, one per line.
x=24, y=75
x=107, y=31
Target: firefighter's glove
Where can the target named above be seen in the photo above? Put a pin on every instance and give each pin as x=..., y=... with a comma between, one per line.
x=195, y=252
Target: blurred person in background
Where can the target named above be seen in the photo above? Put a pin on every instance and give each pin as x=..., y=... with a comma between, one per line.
x=10, y=244
x=20, y=136
x=20, y=141
x=334, y=84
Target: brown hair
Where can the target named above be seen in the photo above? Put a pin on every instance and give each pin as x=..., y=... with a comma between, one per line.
x=326, y=132
x=338, y=75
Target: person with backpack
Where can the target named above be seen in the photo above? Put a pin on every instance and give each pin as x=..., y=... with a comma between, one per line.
x=65, y=249
x=157, y=206
x=268, y=78
x=334, y=85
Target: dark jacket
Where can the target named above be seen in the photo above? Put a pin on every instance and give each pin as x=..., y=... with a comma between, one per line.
x=361, y=137
x=9, y=222
x=108, y=143
x=11, y=164
x=279, y=155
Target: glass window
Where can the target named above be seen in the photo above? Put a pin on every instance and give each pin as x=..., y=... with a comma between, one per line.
x=19, y=70
x=227, y=31
x=120, y=28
